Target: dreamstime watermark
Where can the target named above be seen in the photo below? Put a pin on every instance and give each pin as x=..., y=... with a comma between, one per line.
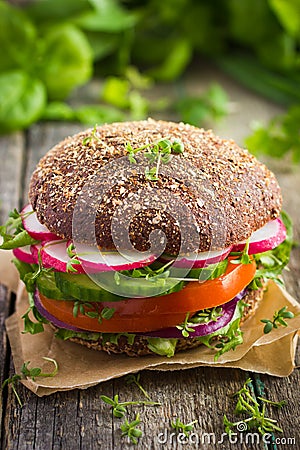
x=119, y=207
x=197, y=439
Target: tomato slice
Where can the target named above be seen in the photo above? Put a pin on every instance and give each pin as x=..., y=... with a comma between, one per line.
x=153, y=313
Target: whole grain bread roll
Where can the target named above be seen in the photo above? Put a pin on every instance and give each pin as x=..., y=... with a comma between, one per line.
x=227, y=191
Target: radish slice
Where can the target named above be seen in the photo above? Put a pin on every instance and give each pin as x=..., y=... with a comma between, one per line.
x=95, y=261
x=202, y=259
x=34, y=227
x=264, y=239
x=24, y=254
x=54, y=255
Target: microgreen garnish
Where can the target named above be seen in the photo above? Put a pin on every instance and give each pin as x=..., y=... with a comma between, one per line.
x=277, y=320
x=92, y=137
x=185, y=327
x=120, y=408
x=247, y=404
x=224, y=340
x=157, y=153
x=131, y=378
x=29, y=373
x=201, y=317
x=244, y=256
x=207, y=315
x=146, y=272
x=93, y=311
x=73, y=259
x=129, y=429
x=13, y=233
x=180, y=427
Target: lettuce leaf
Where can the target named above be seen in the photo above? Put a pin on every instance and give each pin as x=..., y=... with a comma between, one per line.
x=13, y=233
x=162, y=346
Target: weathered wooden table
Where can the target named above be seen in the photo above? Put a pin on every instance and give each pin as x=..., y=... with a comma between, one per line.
x=79, y=419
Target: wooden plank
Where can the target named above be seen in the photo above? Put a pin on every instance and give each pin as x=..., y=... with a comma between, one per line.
x=273, y=388
x=12, y=153
x=4, y=311
x=79, y=420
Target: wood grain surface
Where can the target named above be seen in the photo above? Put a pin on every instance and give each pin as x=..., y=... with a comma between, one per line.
x=79, y=419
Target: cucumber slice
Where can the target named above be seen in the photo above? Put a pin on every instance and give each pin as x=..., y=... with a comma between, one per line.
x=47, y=286
x=82, y=287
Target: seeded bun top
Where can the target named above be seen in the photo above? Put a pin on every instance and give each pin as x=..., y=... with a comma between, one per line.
x=228, y=192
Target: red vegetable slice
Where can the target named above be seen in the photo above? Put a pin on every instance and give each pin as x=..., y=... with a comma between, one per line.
x=95, y=261
x=203, y=259
x=24, y=254
x=154, y=313
x=228, y=311
x=264, y=239
x=34, y=227
x=54, y=255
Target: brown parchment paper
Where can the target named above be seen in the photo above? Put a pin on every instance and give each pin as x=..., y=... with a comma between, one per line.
x=81, y=368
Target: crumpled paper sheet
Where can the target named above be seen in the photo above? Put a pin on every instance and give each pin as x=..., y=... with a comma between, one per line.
x=80, y=367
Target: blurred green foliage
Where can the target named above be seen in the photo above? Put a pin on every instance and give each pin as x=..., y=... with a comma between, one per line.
x=50, y=47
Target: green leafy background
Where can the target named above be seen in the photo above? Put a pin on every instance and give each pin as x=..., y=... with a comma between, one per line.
x=50, y=47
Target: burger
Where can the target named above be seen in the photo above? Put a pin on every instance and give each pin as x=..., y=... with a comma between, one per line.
x=148, y=237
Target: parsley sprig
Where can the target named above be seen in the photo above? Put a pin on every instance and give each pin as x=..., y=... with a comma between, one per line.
x=26, y=373
x=130, y=429
x=157, y=153
x=248, y=405
x=73, y=259
x=201, y=317
x=180, y=427
x=277, y=320
x=135, y=379
x=92, y=137
x=93, y=312
x=119, y=409
x=185, y=326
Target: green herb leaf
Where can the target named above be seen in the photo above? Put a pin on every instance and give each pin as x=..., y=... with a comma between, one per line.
x=129, y=429
x=131, y=378
x=180, y=427
x=22, y=100
x=13, y=233
x=29, y=373
x=277, y=319
x=66, y=60
x=256, y=415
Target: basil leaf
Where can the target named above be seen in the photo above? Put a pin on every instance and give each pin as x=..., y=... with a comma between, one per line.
x=91, y=114
x=17, y=38
x=22, y=100
x=66, y=60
